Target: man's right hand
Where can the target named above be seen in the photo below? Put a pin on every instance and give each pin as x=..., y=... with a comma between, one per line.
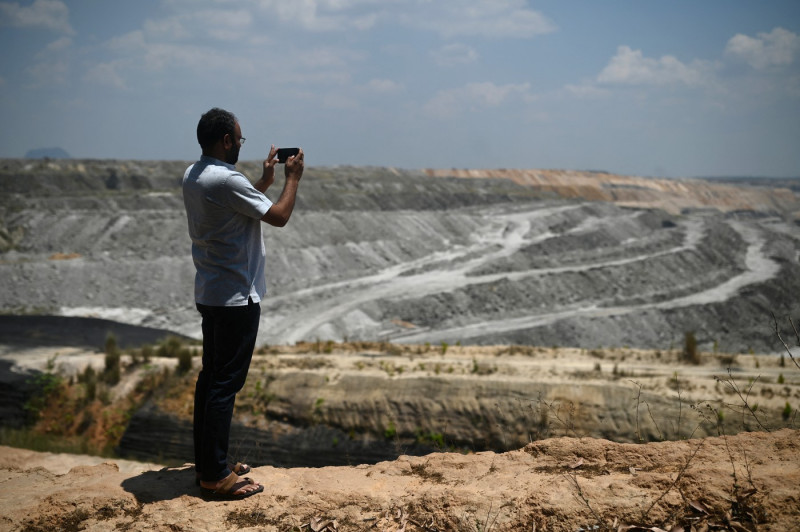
x=294, y=166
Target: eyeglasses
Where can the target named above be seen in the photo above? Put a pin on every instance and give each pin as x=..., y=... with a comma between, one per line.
x=241, y=140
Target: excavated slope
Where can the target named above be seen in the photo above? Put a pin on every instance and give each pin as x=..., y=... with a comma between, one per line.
x=534, y=257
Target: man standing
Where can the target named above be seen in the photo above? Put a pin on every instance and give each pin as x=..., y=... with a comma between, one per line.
x=225, y=212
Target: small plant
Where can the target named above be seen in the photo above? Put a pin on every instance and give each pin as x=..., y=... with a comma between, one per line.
x=170, y=347
x=44, y=385
x=444, y=348
x=146, y=353
x=111, y=345
x=387, y=367
x=432, y=438
x=391, y=431
x=316, y=411
x=112, y=372
x=90, y=383
x=781, y=380
x=690, y=353
x=184, y=361
x=787, y=411
x=743, y=394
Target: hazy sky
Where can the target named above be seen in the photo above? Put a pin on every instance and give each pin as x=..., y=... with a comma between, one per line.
x=668, y=88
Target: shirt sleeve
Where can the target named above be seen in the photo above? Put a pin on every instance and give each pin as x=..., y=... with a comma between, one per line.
x=244, y=198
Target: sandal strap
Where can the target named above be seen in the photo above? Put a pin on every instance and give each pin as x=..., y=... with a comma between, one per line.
x=227, y=484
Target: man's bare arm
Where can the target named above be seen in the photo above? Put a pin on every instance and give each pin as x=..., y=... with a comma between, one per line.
x=278, y=215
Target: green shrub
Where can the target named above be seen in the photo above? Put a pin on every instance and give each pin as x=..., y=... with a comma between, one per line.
x=112, y=372
x=43, y=386
x=184, y=360
x=90, y=383
x=690, y=352
x=111, y=345
x=147, y=353
x=435, y=439
x=170, y=347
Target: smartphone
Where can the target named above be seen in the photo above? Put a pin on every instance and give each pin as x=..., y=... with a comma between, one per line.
x=285, y=153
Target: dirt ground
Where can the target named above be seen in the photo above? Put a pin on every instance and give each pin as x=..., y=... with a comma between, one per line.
x=747, y=481
x=744, y=482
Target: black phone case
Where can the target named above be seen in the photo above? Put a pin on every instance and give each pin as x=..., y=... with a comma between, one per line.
x=285, y=153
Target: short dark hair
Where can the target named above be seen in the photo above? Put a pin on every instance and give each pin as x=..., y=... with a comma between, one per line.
x=214, y=125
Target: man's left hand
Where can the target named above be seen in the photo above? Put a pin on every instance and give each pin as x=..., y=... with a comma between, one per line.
x=268, y=175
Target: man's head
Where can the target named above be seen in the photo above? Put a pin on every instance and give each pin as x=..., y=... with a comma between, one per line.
x=219, y=135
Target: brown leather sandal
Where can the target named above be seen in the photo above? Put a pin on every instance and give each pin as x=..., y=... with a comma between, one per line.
x=231, y=484
x=238, y=468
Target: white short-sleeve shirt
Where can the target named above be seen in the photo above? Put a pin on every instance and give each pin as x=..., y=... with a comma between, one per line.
x=224, y=211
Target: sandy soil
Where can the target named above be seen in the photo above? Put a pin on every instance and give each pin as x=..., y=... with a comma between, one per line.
x=743, y=482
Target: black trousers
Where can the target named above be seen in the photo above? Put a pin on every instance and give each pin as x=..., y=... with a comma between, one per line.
x=229, y=337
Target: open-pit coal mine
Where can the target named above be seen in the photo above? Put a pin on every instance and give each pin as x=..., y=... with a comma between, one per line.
x=585, y=260
x=538, y=258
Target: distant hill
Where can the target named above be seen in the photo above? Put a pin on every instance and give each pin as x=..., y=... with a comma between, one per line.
x=47, y=153
x=792, y=183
